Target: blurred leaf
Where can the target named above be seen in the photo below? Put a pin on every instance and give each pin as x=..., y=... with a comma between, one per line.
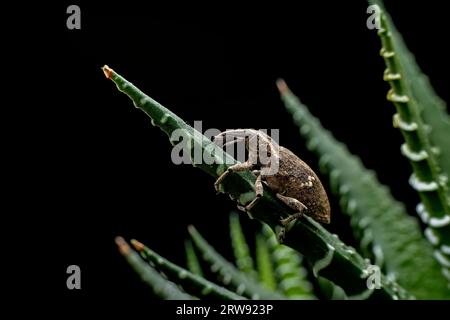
x=244, y=260
x=382, y=221
x=197, y=285
x=162, y=287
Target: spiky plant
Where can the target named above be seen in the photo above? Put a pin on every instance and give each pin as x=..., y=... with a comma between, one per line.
x=389, y=238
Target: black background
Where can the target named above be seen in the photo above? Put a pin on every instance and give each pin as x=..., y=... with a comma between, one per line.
x=100, y=169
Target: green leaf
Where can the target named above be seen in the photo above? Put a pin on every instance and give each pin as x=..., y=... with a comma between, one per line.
x=330, y=290
x=332, y=258
x=432, y=108
x=424, y=124
x=395, y=236
x=264, y=264
x=162, y=287
x=229, y=275
x=197, y=285
x=244, y=260
x=191, y=259
x=290, y=273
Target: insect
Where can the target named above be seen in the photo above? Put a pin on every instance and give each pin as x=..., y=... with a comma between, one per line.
x=292, y=180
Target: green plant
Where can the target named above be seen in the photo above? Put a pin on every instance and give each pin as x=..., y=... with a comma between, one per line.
x=388, y=235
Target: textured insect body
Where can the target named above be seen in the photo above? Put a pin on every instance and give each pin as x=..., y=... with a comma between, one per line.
x=295, y=179
x=292, y=180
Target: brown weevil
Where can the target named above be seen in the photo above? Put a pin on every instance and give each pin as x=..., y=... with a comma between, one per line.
x=293, y=181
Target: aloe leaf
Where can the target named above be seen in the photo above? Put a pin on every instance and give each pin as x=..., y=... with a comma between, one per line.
x=426, y=151
x=199, y=286
x=432, y=108
x=332, y=258
x=264, y=264
x=393, y=235
x=244, y=260
x=229, y=275
x=330, y=290
x=290, y=273
x=192, y=260
x=162, y=287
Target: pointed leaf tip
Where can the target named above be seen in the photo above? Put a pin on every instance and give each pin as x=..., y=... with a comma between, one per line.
x=137, y=245
x=282, y=86
x=107, y=71
x=124, y=248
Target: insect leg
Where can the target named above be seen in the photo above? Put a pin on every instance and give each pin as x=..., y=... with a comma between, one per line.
x=258, y=183
x=236, y=133
x=258, y=190
x=219, y=142
x=294, y=204
x=248, y=165
x=292, y=217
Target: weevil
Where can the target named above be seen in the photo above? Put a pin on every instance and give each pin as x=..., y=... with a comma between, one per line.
x=293, y=181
